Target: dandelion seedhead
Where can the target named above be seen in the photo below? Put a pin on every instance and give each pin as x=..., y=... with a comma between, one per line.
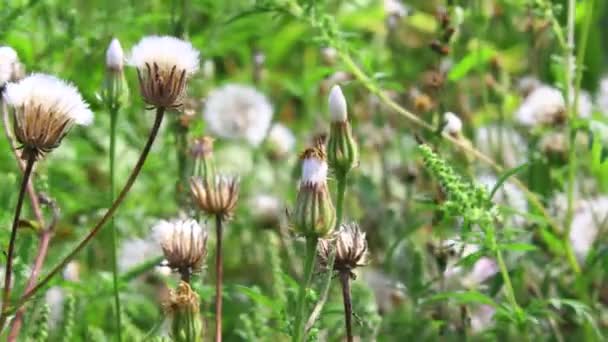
x=237, y=111
x=280, y=141
x=314, y=214
x=463, y=198
x=10, y=68
x=351, y=249
x=45, y=108
x=184, y=244
x=164, y=65
x=452, y=124
x=216, y=196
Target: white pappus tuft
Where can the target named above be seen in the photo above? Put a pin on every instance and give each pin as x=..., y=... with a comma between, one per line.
x=452, y=124
x=238, y=112
x=166, y=52
x=48, y=94
x=314, y=171
x=8, y=60
x=115, y=56
x=281, y=139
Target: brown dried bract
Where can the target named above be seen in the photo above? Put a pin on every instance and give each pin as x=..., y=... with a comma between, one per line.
x=161, y=87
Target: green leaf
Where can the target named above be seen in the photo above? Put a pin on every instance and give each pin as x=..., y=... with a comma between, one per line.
x=467, y=297
x=259, y=298
x=503, y=178
x=471, y=61
x=518, y=247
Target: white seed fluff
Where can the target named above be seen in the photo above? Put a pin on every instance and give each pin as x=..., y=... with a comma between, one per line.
x=238, y=112
x=185, y=234
x=166, y=52
x=49, y=94
x=542, y=106
x=8, y=58
x=452, y=124
x=281, y=138
x=115, y=56
x=337, y=105
x=314, y=171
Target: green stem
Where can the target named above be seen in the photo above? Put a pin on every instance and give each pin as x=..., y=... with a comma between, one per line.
x=113, y=121
x=341, y=192
x=311, y=254
x=571, y=108
x=121, y=196
x=6, y=294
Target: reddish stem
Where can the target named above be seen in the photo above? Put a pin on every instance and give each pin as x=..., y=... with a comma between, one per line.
x=348, y=307
x=218, y=282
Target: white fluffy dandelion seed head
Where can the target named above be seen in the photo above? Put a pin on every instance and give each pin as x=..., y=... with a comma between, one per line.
x=238, y=112
x=452, y=124
x=602, y=96
x=542, y=106
x=281, y=138
x=49, y=94
x=585, y=104
x=588, y=219
x=166, y=52
x=183, y=242
x=337, y=105
x=8, y=60
x=115, y=56
x=314, y=171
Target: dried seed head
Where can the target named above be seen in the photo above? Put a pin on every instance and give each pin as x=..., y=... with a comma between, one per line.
x=45, y=110
x=164, y=64
x=202, y=147
x=217, y=196
x=351, y=249
x=314, y=214
x=184, y=244
x=115, y=56
x=183, y=309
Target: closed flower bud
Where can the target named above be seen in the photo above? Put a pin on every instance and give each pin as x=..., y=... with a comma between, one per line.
x=201, y=150
x=452, y=124
x=182, y=308
x=216, y=196
x=342, y=152
x=314, y=214
x=351, y=249
x=164, y=64
x=46, y=108
x=184, y=244
x=115, y=56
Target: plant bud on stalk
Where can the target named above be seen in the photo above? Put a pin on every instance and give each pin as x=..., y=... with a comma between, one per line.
x=201, y=150
x=351, y=249
x=216, y=196
x=342, y=152
x=114, y=89
x=314, y=214
x=182, y=308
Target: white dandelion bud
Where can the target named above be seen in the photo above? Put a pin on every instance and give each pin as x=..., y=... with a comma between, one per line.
x=115, y=56
x=337, y=105
x=452, y=124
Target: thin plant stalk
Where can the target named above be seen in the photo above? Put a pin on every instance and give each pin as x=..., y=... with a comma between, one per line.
x=113, y=121
x=316, y=311
x=571, y=110
x=309, y=263
x=6, y=293
x=219, y=274
x=341, y=192
x=43, y=246
x=121, y=196
x=348, y=305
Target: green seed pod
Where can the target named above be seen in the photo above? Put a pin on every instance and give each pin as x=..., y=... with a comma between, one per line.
x=182, y=308
x=314, y=214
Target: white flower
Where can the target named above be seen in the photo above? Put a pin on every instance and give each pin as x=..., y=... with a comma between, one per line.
x=588, y=218
x=395, y=8
x=585, y=104
x=452, y=124
x=8, y=60
x=337, y=105
x=47, y=94
x=527, y=84
x=166, y=52
x=544, y=105
x=183, y=242
x=55, y=298
x=483, y=269
x=482, y=317
x=280, y=139
x=115, y=56
x=238, y=112
x=314, y=171
x=71, y=272
x=504, y=144
x=601, y=96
